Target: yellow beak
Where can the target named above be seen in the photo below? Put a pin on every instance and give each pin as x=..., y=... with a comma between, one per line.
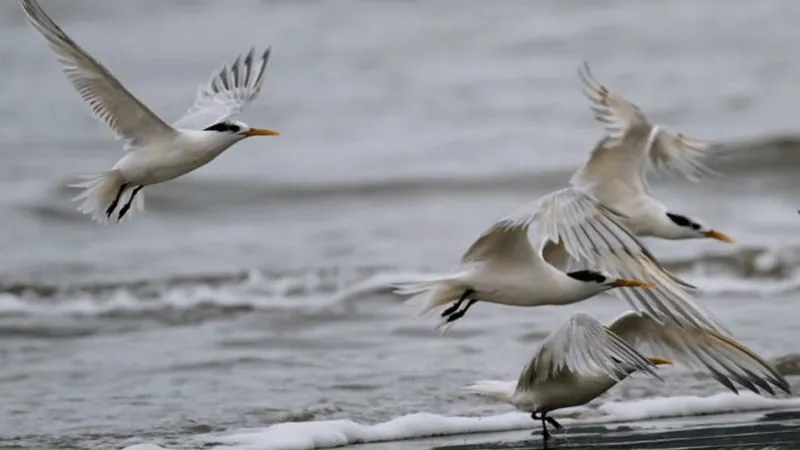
x=624, y=282
x=714, y=234
x=657, y=361
x=260, y=132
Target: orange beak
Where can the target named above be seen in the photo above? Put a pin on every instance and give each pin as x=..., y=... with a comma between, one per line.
x=260, y=132
x=624, y=282
x=714, y=234
x=657, y=361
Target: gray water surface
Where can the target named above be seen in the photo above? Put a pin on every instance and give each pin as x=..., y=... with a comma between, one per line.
x=246, y=294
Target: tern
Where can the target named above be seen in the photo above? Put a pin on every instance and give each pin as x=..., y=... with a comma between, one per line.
x=503, y=266
x=615, y=177
x=617, y=168
x=583, y=359
x=155, y=152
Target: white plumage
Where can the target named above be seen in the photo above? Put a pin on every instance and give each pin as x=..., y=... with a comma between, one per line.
x=503, y=266
x=583, y=359
x=155, y=151
x=617, y=168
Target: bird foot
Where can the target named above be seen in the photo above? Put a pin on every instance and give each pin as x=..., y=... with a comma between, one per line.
x=554, y=423
x=113, y=205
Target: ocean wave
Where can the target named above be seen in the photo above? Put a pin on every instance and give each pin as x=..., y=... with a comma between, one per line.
x=787, y=365
x=743, y=262
x=775, y=154
x=339, y=433
x=241, y=291
x=743, y=272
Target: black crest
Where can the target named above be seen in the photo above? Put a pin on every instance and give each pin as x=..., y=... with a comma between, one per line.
x=588, y=275
x=224, y=127
x=683, y=221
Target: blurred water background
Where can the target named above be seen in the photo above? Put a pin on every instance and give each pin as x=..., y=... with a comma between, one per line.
x=253, y=292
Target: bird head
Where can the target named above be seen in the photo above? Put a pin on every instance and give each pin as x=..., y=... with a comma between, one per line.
x=604, y=282
x=683, y=227
x=240, y=130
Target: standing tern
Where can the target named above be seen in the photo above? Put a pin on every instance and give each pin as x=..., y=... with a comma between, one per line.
x=503, y=266
x=616, y=172
x=155, y=151
x=583, y=359
x=575, y=364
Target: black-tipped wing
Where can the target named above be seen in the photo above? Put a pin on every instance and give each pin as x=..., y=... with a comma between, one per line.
x=592, y=235
x=727, y=360
x=230, y=89
x=633, y=144
x=583, y=344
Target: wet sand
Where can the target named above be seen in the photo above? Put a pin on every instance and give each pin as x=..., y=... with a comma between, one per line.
x=774, y=431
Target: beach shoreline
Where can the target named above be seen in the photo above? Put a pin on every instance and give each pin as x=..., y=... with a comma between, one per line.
x=778, y=430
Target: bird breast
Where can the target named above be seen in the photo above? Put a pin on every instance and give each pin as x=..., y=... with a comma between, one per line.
x=564, y=391
x=161, y=162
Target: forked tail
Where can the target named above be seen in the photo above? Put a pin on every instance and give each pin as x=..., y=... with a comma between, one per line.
x=107, y=195
x=499, y=390
x=431, y=293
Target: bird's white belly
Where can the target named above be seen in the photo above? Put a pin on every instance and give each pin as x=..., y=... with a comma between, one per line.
x=144, y=167
x=506, y=292
x=563, y=393
x=521, y=288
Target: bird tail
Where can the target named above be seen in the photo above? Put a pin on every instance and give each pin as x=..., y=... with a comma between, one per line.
x=105, y=194
x=498, y=390
x=431, y=293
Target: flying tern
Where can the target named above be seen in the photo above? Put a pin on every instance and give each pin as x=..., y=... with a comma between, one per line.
x=155, y=151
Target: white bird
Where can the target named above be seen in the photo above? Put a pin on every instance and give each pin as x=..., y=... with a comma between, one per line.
x=617, y=169
x=583, y=359
x=503, y=266
x=155, y=151
x=616, y=176
x=575, y=364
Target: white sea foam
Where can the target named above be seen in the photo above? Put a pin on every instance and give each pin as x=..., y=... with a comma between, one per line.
x=685, y=406
x=340, y=433
x=745, y=287
x=255, y=291
x=317, y=288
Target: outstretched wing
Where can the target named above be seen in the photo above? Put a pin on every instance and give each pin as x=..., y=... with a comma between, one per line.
x=635, y=144
x=229, y=90
x=592, y=235
x=583, y=344
x=110, y=102
x=502, y=245
x=727, y=360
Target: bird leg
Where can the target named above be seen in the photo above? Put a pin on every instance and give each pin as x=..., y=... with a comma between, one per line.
x=545, y=419
x=554, y=423
x=114, y=204
x=127, y=206
x=459, y=314
x=454, y=307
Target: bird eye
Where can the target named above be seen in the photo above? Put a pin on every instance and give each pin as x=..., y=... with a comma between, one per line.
x=587, y=275
x=683, y=221
x=221, y=127
x=234, y=128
